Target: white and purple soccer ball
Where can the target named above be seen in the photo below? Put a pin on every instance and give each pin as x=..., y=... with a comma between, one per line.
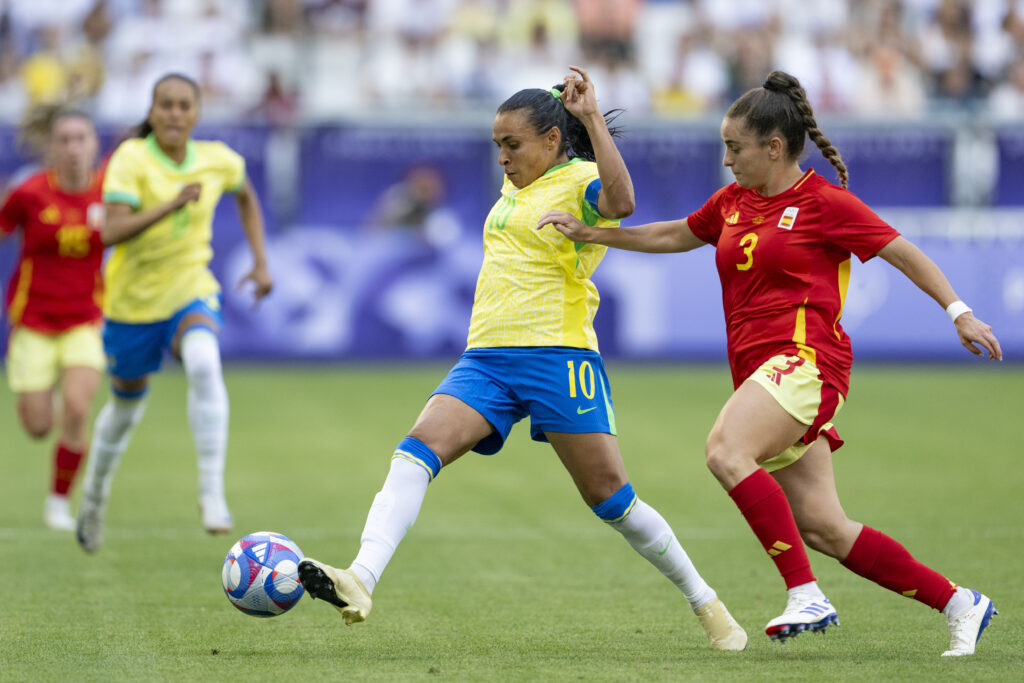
x=261, y=574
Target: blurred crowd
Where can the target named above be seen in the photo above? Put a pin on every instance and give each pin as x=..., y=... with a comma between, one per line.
x=281, y=61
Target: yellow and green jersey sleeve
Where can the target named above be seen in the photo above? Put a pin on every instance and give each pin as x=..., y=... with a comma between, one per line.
x=534, y=287
x=166, y=266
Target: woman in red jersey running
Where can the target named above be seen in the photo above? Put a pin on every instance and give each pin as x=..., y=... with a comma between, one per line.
x=783, y=241
x=53, y=300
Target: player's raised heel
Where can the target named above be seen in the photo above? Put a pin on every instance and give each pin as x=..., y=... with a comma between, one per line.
x=340, y=587
x=802, y=614
x=724, y=633
x=965, y=628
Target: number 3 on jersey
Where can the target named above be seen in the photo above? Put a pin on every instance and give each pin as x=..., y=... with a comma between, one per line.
x=748, y=242
x=586, y=379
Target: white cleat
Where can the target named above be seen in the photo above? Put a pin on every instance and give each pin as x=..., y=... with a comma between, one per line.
x=216, y=515
x=57, y=513
x=803, y=613
x=966, y=627
x=89, y=529
x=340, y=587
x=724, y=633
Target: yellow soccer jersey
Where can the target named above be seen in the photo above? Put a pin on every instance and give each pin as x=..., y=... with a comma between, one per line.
x=163, y=268
x=534, y=287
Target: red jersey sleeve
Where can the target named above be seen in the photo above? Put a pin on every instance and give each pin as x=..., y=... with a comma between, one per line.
x=706, y=222
x=854, y=226
x=12, y=213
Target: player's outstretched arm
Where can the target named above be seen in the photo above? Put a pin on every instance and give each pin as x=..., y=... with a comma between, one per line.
x=121, y=223
x=660, y=237
x=251, y=216
x=923, y=272
x=616, y=199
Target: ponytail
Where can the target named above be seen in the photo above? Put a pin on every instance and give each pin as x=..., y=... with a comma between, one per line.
x=546, y=111
x=765, y=112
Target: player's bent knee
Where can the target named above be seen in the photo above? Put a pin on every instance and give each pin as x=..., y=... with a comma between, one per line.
x=718, y=458
x=76, y=412
x=726, y=460
x=36, y=427
x=597, y=490
x=617, y=506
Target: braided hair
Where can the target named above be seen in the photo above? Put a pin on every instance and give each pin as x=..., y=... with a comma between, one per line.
x=546, y=111
x=781, y=106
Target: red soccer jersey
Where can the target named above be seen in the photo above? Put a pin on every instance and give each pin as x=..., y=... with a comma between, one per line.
x=784, y=262
x=57, y=283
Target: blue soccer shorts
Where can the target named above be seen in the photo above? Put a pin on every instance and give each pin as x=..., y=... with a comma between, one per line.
x=137, y=349
x=561, y=389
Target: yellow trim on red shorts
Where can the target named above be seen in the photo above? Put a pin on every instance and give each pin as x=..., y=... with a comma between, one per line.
x=797, y=386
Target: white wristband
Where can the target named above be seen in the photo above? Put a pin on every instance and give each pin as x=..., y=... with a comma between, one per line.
x=956, y=309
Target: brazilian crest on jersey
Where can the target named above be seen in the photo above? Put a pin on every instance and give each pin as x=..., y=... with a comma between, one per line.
x=164, y=267
x=534, y=287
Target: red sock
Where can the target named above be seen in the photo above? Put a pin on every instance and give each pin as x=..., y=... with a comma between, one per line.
x=65, y=466
x=877, y=557
x=762, y=501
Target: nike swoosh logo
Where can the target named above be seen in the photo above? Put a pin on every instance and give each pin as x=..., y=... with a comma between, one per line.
x=665, y=549
x=580, y=410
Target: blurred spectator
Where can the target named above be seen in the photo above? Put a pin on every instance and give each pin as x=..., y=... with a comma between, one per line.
x=699, y=79
x=340, y=57
x=278, y=107
x=43, y=72
x=542, y=63
x=86, y=67
x=746, y=63
x=12, y=94
x=1007, y=98
x=519, y=20
x=946, y=51
x=416, y=206
x=341, y=18
x=284, y=17
x=607, y=29
x=889, y=85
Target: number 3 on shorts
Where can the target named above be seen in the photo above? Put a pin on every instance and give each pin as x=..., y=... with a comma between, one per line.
x=586, y=378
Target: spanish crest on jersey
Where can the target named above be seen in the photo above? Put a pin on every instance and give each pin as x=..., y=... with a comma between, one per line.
x=788, y=217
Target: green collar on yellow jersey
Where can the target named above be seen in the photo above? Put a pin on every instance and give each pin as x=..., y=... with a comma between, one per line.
x=555, y=168
x=154, y=149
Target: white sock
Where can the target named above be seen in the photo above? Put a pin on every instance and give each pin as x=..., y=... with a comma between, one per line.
x=961, y=600
x=394, y=509
x=652, y=537
x=110, y=437
x=207, y=406
x=809, y=589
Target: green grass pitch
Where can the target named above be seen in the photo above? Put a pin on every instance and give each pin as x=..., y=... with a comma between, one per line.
x=507, y=575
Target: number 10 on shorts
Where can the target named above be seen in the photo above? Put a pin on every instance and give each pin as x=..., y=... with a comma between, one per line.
x=586, y=379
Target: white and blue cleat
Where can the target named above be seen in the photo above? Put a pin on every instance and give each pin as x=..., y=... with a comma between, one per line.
x=966, y=627
x=803, y=613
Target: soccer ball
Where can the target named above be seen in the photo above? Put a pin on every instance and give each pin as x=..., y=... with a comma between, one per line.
x=261, y=574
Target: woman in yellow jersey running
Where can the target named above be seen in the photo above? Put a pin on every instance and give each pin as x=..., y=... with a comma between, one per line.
x=532, y=352
x=160, y=192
